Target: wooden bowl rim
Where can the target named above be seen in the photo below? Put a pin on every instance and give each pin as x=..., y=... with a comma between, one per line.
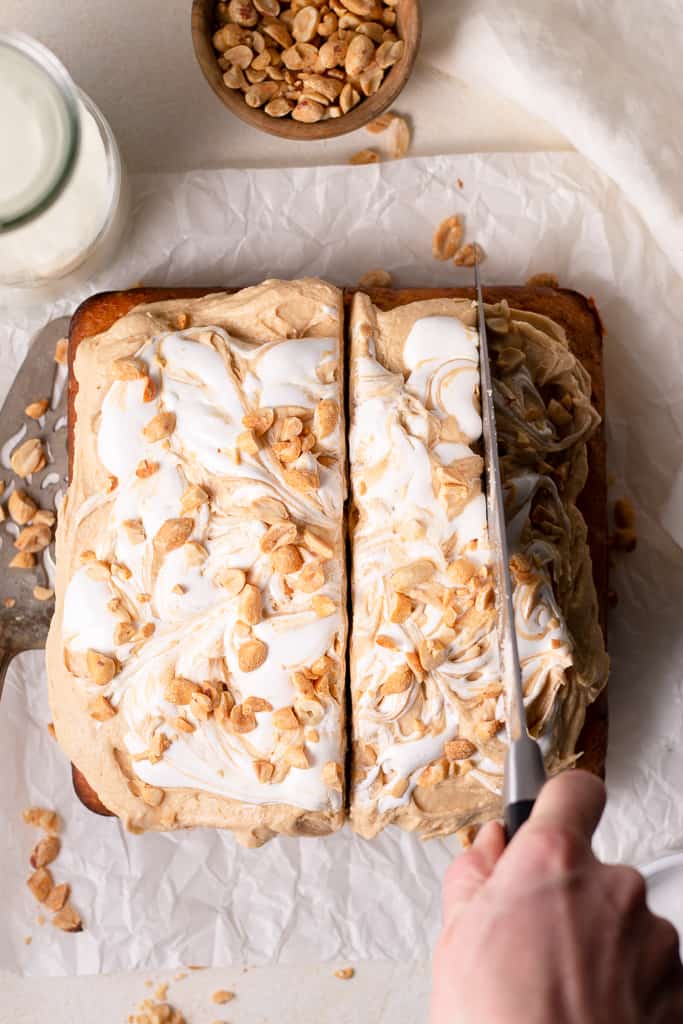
x=286, y=128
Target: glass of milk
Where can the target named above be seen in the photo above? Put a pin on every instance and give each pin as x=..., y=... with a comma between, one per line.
x=62, y=195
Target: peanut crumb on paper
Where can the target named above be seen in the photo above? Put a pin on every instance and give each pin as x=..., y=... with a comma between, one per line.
x=28, y=939
x=149, y=1012
x=61, y=350
x=222, y=996
x=161, y=991
x=345, y=973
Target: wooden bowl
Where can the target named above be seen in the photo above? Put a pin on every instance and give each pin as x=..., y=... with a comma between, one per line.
x=409, y=29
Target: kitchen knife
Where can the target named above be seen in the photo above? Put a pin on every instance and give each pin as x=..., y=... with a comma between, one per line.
x=524, y=769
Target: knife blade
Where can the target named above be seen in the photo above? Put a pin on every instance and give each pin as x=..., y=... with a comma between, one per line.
x=524, y=768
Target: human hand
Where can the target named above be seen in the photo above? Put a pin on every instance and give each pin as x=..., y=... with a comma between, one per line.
x=541, y=931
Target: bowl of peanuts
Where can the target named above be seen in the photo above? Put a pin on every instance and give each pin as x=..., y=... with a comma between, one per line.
x=306, y=69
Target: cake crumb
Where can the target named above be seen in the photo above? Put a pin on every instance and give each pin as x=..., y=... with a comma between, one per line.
x=222, y=996
x=161, y=991
x=149, y=1012
x=460, y=183
x=9, y=602
x=345, y=973
x=180, y=976
x=51, y=730
x=28, y=939
x=40, y=919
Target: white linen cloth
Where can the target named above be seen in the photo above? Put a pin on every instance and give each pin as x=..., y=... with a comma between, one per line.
x=607, y=73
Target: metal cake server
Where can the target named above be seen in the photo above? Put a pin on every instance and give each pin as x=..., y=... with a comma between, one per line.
x=524, y=769
x=24, y=621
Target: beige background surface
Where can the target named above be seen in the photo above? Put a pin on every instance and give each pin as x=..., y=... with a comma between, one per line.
x=136, y=61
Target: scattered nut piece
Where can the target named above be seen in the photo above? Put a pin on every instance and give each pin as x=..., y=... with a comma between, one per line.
x=259, y=421
x=264, y=770
x=62, y=351
x=296, y=757
x=380, y=123
x=231, y=580
x=134, y=530
x=345, y=973
x=458, y=749
x=28, y=458
x=58, y=896
x=23, y=560
x=37, y=409
x=400, y=132
x=365, y=156
x=101, y=668
x=68, y=919
x=286, y=559
x=465, y=257
x=33, y=538
x=193, y=498
x=447, y=238
x=323, y=606
x=128, y=369
x=41, y=884
x=317, y=544
x=251, y=655
x=326, y=417
x=278, y=535
x=160, y=426
x=20, y=507
x=146, y=468
x=43, y=593
x=249, y=606
x=45, y=516
x=222, y=996
x=285, y=719
x=42, y=817
x=332, y=775
x=9, y=602
x=173, y=534
x=45, y=851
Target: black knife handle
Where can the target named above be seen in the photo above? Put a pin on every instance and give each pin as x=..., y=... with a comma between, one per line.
x=515, y=816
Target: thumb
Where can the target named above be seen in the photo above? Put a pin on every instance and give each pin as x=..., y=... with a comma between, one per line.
x=472, y=869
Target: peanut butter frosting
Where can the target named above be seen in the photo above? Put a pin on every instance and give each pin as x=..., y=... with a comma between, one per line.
x=429, y=721
x=196, y=658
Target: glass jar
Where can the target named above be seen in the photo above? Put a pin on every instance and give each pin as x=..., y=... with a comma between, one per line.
x=62, y=188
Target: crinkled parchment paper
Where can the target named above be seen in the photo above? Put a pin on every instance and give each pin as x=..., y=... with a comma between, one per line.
x=166, y=900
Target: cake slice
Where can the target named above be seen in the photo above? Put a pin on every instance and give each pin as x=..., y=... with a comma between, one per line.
x=196, y=659
x=428, y=708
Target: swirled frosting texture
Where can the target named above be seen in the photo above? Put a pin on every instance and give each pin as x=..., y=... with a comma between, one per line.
x=197, y=654
x=428, y=708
